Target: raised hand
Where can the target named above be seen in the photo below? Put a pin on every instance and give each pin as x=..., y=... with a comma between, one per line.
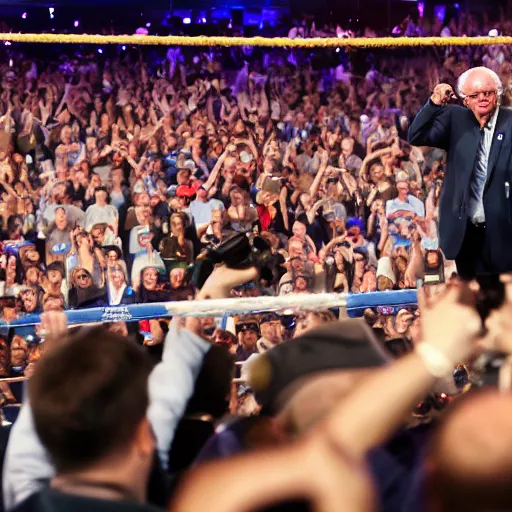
x=443, y=94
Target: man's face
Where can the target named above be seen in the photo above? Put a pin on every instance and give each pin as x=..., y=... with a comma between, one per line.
x=150, y=278
x=61, y=220
x=481, y=93
x=32, y=276
x=272, y=331
x=65, y=135
x=402, y=188
x=55, y=277
x=248, y=339
x=177, y=277
x=29, y=301
x=202, y=194
x=347, y=147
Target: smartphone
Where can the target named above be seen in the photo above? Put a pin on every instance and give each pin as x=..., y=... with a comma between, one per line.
x=433, y=263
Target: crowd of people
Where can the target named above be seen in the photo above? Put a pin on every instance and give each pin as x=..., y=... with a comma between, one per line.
x=126, y=174
x=104, y=428
x=121, y=172
x=120, y=176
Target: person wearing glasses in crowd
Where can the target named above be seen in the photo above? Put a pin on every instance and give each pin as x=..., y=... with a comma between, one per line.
x=84, y=293
x=475, y=206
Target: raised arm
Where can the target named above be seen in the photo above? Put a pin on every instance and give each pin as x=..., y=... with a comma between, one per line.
x=320, y=174
x=215, y=171
x=432, y=125
x=171, y=383
x=449, y=330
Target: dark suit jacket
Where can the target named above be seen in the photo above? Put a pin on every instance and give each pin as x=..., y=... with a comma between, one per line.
x=456, y=130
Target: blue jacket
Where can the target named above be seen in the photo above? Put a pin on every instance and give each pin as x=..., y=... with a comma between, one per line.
x=456, y=130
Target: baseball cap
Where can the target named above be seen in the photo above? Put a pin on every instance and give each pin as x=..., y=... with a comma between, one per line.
x=185, y=191
x=190, y=165
x=346, y=345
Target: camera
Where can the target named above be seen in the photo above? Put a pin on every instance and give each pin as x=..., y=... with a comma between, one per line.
x=238, y=252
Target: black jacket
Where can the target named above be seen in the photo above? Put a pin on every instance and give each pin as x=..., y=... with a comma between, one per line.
x=456, y=130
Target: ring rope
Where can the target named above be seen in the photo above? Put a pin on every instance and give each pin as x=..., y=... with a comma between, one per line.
x=286, y=42
x=355, y=305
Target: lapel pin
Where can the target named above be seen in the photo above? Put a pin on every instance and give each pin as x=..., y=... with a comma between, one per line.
x=500, y=136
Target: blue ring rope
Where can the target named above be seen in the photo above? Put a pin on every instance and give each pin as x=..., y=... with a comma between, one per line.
x=356, y=304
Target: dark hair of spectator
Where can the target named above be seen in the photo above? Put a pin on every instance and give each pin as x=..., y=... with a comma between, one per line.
x=88, y=397
x=102, y=188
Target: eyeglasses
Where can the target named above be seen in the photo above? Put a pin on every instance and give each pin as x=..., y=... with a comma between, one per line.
x=82, y=277
x=486, y=94
x=247, y=327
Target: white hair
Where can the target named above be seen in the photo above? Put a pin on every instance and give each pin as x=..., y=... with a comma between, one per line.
x=461, y=82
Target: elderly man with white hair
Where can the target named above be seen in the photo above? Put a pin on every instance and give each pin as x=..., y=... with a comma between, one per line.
x=475, y=208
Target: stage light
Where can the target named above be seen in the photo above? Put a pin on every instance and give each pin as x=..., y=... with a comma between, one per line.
x=123, y=47
x=230, y=25
x=76, y=23
x=203, y=20
x=148, y=24
x=187, y=21
x=7, y=43
x=51, y=10
x=100, y=50
x=11, y=63
x=24, y=15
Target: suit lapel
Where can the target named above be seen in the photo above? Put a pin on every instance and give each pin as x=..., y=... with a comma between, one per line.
x=497, y=143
